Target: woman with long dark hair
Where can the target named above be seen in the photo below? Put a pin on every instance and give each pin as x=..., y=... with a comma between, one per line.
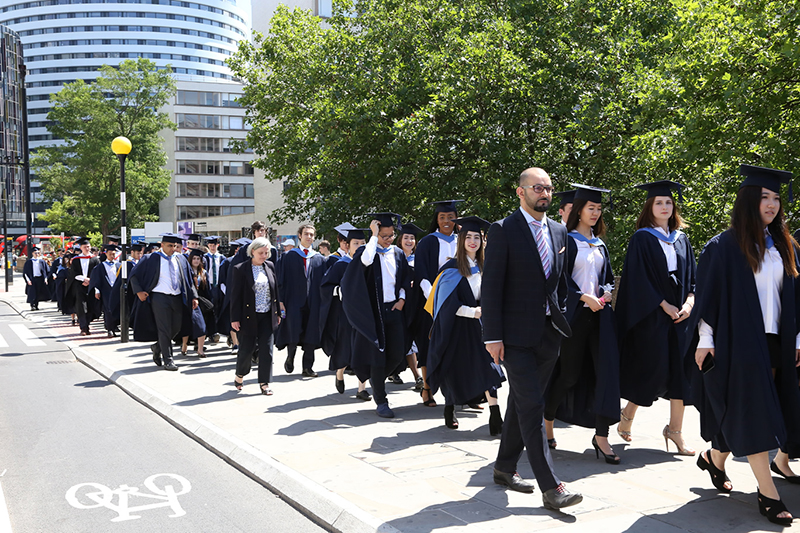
x=407, y=237
x=584, y=389
x=457, y=360
x=655, y=297
x=433, y=251
x=206, y=307
x=749, y=347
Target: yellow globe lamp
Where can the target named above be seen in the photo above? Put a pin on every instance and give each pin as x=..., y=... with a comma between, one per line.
x=121, y=146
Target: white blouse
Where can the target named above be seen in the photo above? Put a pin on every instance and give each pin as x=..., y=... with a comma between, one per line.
x=769, y=281
x=669, y=251
x=447, y=251
x=588, y=267
x=475, y=284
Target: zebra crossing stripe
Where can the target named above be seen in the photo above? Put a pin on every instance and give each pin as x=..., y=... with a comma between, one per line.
x=26, y=335
x=3, y=343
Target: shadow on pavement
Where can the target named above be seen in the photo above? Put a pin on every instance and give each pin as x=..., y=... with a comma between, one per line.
x=93, y=384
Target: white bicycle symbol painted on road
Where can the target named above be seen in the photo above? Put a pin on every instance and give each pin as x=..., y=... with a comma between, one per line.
x=94, y=495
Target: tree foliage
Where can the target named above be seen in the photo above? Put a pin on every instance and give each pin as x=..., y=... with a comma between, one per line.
x=392, y=104
x=81, y=176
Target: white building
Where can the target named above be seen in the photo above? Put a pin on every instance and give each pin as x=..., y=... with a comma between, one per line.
x=67, y=40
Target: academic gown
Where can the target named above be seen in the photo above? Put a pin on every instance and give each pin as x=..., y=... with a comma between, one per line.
x=51, y=281
x=594, y=394
x=361, y=286
x=297, y=291
x=109, y=295
x=38, y=291
x=458, y=362
x=426, y=266
x=65, y=304
x=651, y=345
x=336, y=332
x=80, y=294
x=147, y=272
x=739, y=402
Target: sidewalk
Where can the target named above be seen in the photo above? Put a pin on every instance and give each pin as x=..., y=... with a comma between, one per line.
x=330, y=455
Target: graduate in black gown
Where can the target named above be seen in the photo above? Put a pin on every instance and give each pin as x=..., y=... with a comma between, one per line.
x=458, y=362
x=584, y=387
x=433, y=251
x=51, y=279
x=200, y=320
x=300, y=273
x=104, y=287
x=63, y=287
x=748, y=346
x=337, y=333
x=35, y=273
x=407, y=241
x=565, y=207
x=87, y=308
x=374, y=287
x=212, y=262
x=656, y=296
x=221, y=298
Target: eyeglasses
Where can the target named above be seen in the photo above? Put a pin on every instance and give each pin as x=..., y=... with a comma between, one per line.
x=539, y=189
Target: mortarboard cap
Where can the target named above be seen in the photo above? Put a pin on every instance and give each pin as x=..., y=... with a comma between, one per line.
x=194, y=237
x=588, y=193
x=171, y=237
x=110, y=248
x=115, y=238
x=288, y=242
x=446, y=206
x=82, y=240
x=769, y=178
x=342, y=229
x=472, y=223
x=357, y=233
x=244, y=241
x=196, y=252
x=137, y=247
x=385, y=219
x=662, y=188
x=567, y=197
x=212, y=239
x=411, y=229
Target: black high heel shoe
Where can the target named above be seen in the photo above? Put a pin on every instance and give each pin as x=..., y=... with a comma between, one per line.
x=430, y=402
x=450, y=417
x=495, y=420
x=718, y=477
x=610, y=459
x=772, y=508
x=791, y=479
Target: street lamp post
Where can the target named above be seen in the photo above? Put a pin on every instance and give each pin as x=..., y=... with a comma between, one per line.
x=122, y=147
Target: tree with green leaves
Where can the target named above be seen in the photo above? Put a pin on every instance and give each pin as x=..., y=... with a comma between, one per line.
x=81, y=175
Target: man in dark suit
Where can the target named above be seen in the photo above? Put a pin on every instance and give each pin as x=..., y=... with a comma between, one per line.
x=86, y=308
x=524, y=296
x=164, y=280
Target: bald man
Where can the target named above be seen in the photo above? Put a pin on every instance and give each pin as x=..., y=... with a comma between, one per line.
x=524, y=296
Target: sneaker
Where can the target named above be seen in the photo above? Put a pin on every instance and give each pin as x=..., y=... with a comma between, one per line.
x=419, y=385
x=235, y=348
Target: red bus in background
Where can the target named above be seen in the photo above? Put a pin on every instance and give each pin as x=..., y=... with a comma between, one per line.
x=42, y=241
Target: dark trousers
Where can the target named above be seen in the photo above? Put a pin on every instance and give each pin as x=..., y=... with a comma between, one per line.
x=263, y=339
x=168, y=314
x=576, y=351
x=81, y=306
x=394, y=328
x=528, y=370
x=308, y=350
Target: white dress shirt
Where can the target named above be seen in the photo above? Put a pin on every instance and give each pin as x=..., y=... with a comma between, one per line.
x=164, y=284
x=84, y=268
x=474, y=284
x=769, y=281
x=447, y=251
x=388, y=268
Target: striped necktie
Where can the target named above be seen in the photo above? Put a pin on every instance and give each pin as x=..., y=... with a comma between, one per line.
x=541, y=243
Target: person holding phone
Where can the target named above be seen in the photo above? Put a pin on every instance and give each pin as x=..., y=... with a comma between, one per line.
x=748, y=344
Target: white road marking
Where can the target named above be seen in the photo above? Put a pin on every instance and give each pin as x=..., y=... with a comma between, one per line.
x=3, y=343
x=5, y=521
x=27, y=336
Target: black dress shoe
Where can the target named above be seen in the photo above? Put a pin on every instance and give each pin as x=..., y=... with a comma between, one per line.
x=363, y=395
x=308, y=373
x=560, y=497
x=288, y=366
x=171, y=366
x=340, y=386
x=156, y=354
x=512, y=481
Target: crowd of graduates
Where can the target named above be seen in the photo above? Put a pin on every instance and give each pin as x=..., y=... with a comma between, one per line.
x=721, y=335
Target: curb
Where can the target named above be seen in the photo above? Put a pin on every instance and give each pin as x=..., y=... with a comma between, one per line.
x=326, y=508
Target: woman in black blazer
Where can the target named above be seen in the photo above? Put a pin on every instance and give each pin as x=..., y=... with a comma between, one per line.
x=254, y=312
